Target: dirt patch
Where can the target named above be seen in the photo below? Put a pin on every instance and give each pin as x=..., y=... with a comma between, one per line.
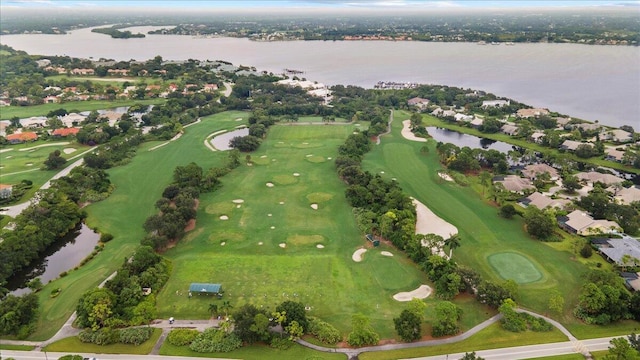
x=191, y=224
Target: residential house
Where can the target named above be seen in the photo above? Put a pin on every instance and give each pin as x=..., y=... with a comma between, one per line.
x=572, y=145
x=111, y=116
x=532, y=171
x=210, y=87
x=4, y=124
x=5, y=191
x=542, y=202
x=418, y=102
x=51, y=99
x=18, y=138
x=119, y=72
x=514, y=183
x=34, y=122
x=593, y=177
x=581, y=223
x=495, y=103
x=587, y=126
x=509, y=129
x=537, y=137
x=57, y=69
x=626, y=196
x=613, y=154
x=562, y=121
x=462, y=117
x=528, y=113
x=43, y=62
x=619, y=250
x=618, y=136
x=78, y=71
x=72, y=119
x=64, y=132
x=5, y=102
x=476, y=122
x=437, y=111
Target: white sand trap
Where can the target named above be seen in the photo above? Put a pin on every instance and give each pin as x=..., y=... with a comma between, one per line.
x=386, y=253
x=281, y=202
x=407, y=134
x=269, y=215
x=320, y=246
x=260, y=243
x=238, y=201
x=296, y=174
x=69, y=150
x=263, y=157
x=430, y=223
x=273, y=159
x=445, y=176
x=9, y=157
x=269, y=184
x=282, y=245
x=5, y=150
x=420, y=293
x=314, y=206
x=239, y=119
x=238, y=206
x=354, y=133
x=273, y=227
x=224, y=217
x=357, y=255
x=305, y=143
x=328, y=158
x=280, y=142
x=309, y=155
x=381, y=172
x=223, y=243
x=29, y=164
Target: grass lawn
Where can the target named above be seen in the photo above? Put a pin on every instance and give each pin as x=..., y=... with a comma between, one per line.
x=255, y=352
x=124, y=212
x=245, y=252
x=316, y=119
x=9, y=112
x=561, y=357
x=26, y=157
x=74, y=345
x=17, y=347
x=491, y=337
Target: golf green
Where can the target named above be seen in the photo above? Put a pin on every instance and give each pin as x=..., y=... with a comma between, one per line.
x=512, y=266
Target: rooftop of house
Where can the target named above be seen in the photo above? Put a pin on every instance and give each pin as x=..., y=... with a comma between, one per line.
x=594, y=177
x=618, y=248
x=531, y=171
x=628, y=195
x=515, y=183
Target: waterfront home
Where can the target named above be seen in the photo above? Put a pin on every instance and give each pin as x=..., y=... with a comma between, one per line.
x=495, y=103
x=537, y=137
x=112, y=117
x=532, y=171
x=542, y=202
x=587, y=127
x=626, y=196
x=462, y=117
x=509, y=129
x=528, y=113
x=562, y=121
x=581, y=223
x=613, y=154
x=476, y=122
x=593, y=177
x=618, y=136
x=514, y=183
x=572, y=145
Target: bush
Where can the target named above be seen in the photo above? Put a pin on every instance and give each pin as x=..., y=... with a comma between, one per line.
x=182, y=337
x=324, y=332
x=104, y=336
x=586, y=251
x=214, y=340
x=135, y=336
x=71, y=357
x=281, y=343
x=106, y=237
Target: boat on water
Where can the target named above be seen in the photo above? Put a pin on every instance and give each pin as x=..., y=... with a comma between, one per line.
x=482, y=42
x=495, y=43
x=509, y=43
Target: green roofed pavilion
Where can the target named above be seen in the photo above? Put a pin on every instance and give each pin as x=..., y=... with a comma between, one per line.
x=204, y=288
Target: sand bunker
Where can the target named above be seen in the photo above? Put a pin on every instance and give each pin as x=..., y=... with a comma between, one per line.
x=28, y=164
x=281, y=202
x=223, y=243
x=314, y=206
x=407, y=134
x=224, y=217
x=269, y=215
x=430, y=223
x=296, y=174
x=239, y=119
x=9, y=157
x=445, y=176
x=282, y=245
x=320, y=246
x=260, y=243
x=309, y=155
x=263, y=156
x=69, y=150
x=238, y=206
x=238, y=201
x=273, y=227
x=357, y=255
x=386, y=253
x=328, y=158
x=269, y=184
x=420, y=293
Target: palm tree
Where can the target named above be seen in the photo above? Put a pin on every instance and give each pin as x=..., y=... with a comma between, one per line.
x=226, y=306
x=453, y=242
x=485, y=180
x=213, y=308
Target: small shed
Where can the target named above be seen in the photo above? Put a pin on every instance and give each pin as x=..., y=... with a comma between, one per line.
x=206, y=289
x=372, y=239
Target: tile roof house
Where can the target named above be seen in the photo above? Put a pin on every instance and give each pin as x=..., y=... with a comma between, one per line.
x=587, y=126
x=527, y=113
x=581, y=223
x=514, y=183
x=418, y=102
x=596, y=177
x=495, y=103
x=616, y=249
x=34, y=122
x=542, y=202
x=572, y=145
x=619, y=136
x=537, y=137
x=22, y=137
x=628, y=195
x=613, y=154
x=533, y=170
x=510, y=130
x=64, y=132
x=72, y=119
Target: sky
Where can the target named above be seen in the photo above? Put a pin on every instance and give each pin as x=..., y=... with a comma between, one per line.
x=309, y=4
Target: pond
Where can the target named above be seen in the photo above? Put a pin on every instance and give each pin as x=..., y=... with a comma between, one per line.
x=221, y=142
x=63, y=255
x=462, y=140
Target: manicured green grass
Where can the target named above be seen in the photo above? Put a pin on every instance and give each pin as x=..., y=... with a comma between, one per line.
x=9, y=112
x=561, y=357
x=138, y=185
x=26, y=157
x=244, y=253
x=17, y=347
x=482, y=231
x=491, y=337
x=255, y=352
x=74, y=345
x=318, y=119
x=620, y=328
x=515, y=267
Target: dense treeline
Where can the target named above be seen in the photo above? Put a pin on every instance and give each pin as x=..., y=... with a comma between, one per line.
x=17, y=314
x=123, y=300
x=117, y=34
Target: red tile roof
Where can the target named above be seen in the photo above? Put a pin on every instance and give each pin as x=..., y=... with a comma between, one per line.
x=24, y=136
x=65, y=131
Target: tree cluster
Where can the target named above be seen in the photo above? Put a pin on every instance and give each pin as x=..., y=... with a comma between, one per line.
x=604, y=299
x=17, y=314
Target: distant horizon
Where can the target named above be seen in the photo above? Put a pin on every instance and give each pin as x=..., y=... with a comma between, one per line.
x=311, y=5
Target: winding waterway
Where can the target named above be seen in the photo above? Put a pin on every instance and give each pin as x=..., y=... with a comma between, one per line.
x=589, y=82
